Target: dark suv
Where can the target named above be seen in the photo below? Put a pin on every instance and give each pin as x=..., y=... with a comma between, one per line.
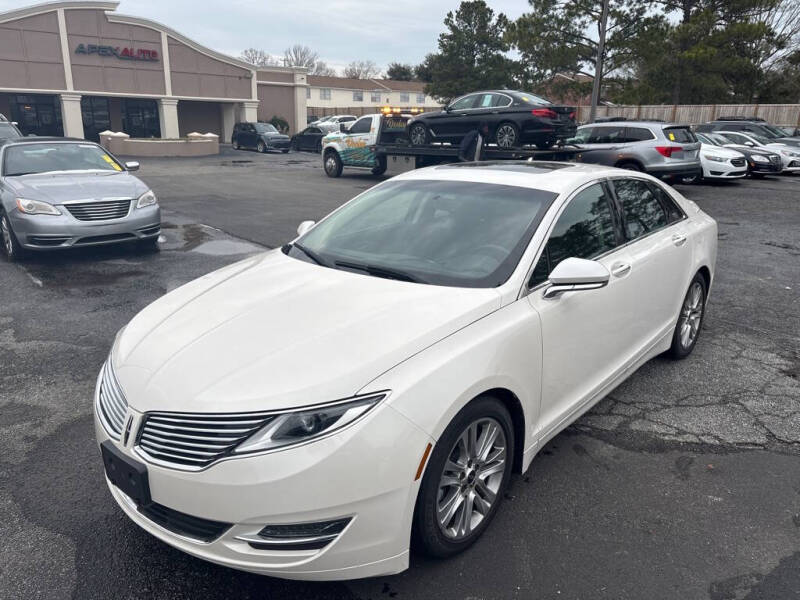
x=749, y=125
x=259, y=136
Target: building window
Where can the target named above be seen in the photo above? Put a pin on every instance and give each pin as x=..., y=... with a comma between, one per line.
x=308, y=93
x=325, y=94
x=375, y=97
x=420, y=98
x=404, y=97
x=358, y=96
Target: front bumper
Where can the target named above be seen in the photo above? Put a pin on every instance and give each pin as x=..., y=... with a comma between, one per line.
x=723, y=170
x=365, y=472
x=277, y=144
x=50, y=232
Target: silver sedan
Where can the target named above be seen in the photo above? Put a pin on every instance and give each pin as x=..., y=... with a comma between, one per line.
x=60, y=193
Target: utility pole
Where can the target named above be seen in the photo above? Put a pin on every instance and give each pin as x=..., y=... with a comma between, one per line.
x=598, y=67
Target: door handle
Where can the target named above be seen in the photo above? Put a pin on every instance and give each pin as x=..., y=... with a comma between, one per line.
x=679, y=239
x=620, y=269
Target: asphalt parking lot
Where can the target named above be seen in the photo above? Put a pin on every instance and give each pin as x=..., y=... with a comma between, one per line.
x=684, y=483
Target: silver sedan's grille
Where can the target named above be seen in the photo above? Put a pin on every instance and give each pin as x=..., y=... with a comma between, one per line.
x=112, y=405
x=195, y=440
x=99, y=211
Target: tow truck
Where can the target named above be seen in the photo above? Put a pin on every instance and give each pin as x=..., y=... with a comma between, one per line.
x=378, y=142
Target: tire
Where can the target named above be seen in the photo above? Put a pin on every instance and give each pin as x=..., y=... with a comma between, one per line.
x=692, y=179
x=419, y=135
x=149, y=245
x=285, y=150
x=690, y=319
x=332, y=164
x=261, y=147
x=381, y=168
x=12, y=249
x=294, y=147
x=630, y=166
x=318, y=148
x=506, y=136
x=441, y=487
x=756, y=175
x=235, y=144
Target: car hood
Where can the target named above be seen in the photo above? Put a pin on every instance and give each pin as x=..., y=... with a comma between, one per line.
x=62, y=186
x=720, y=152
x=273, y=332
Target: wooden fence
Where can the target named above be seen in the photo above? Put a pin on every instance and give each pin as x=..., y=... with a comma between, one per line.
x=694, y=114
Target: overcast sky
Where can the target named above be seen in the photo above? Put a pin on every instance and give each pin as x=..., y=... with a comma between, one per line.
x=340, y=30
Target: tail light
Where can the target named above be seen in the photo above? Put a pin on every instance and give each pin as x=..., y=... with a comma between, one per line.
x=544, y=112
x=667, y=150
x=572, y=116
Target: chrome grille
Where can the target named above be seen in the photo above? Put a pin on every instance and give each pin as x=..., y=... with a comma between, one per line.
x=99, y=211
x=195, y=440
x=737, y=162
x=775, y=159
x=111, y=403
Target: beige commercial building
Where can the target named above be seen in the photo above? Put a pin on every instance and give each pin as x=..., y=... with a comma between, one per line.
x=76, y=68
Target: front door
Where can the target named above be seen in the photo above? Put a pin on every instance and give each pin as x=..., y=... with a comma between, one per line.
x=586, y=335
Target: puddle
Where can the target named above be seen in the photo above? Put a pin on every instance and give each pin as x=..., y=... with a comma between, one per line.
x=226, y=247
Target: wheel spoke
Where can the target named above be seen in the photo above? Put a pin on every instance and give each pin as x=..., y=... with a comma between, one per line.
x=466, y=514
x=449, y=508
x=484, y=497
x=486, y=441
x=492, y=468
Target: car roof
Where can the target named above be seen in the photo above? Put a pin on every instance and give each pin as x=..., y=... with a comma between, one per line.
x=38, y=140
x=550, y=176
x=640, y=123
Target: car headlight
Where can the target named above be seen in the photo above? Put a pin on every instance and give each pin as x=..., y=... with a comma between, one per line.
x=759, y=158
x=293, y=428
x=713, y=158
x=146, y=199
x=34, y=207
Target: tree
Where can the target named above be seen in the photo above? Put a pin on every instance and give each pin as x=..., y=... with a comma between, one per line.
x=400, y=72
x=561, y=36
x=361, y=69
x=471, y=53
x=303, y=56
x=258, y=58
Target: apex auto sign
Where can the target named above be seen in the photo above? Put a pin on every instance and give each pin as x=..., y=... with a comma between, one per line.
x=120, y=52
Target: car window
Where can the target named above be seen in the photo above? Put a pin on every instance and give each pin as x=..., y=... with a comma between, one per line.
x=638, y=134
x=465, y=102
x=681, y=135
x=533, y=99
x=347, y=119
x=584, y=230
x=607, y=135
x=441, y=232
x=362, y=125
x=486, y=101
x=641, y=210
x=674, y=212
x=582, y=135
x=736, y=138
x=313, y=130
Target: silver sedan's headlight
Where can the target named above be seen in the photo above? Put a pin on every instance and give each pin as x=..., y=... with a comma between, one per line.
x=35, y=207
x=146, y=199
x=301, y=426
x=713, y=158
x=759, y=158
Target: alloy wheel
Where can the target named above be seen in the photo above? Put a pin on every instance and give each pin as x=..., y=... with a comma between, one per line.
x=506, y=136
x=8, y=243
x=261, y=147
x=418, y=135
x=330, y=164
x=471, y=478
x=691, y=314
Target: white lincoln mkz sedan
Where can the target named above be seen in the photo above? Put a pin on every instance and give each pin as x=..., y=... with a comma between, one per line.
x=316, y=411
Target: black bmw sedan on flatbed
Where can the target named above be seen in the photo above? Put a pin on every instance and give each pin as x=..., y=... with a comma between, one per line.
x=514, y=119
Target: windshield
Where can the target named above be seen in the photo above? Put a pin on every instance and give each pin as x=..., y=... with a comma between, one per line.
x=440, y=232
x=775, y=132
x=8, y=131
x=706, y=140
x=716, y=138
x=759, y=138
x=265, y=128
x=25, y=159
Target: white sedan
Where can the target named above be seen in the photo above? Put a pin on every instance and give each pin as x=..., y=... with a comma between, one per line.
x=719, y=163
x=316, y=411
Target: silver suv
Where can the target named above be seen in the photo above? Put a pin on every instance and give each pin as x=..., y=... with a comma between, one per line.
x=661, y=149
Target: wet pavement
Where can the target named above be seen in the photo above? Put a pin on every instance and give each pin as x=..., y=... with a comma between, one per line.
x=684, y=483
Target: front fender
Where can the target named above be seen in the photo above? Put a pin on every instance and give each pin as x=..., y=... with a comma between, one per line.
x=502, y=350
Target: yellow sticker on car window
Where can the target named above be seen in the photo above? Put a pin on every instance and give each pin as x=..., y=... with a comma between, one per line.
x=671, y=136
x=110, y=161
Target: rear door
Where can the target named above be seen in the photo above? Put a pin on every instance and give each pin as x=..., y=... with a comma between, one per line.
x=656, y=233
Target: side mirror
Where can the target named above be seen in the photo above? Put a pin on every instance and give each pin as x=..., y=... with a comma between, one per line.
x=576, y=274
x=343, y=127
x=305, y=226
x=751, y=144
x=132, y=165
x=447, y=108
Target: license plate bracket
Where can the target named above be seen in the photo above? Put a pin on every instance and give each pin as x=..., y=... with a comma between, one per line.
x=129, y=475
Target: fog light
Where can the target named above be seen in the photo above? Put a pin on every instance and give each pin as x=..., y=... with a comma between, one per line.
x=297, y=536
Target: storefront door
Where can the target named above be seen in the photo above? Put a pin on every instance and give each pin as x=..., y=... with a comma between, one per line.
x=38, y=114
x=140, y=118
x=96, y=116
